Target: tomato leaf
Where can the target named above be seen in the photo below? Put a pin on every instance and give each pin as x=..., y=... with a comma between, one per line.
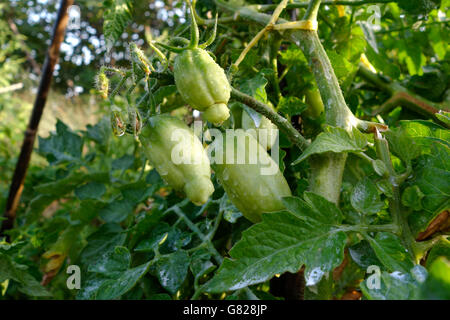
x=365, y=197
x=335, y=140
x=390, y=252
x=395, y=285
x=305, y=234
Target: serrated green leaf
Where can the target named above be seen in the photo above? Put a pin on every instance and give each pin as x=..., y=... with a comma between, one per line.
x=136, y=192
x=104, y=240
x=365, y=197
x=114, y=288
x=117, y=17
x=291, y=106
x=230, y=212
x=200, y=263
x=172, y=269
x=123, y=163
x=70, y=182
x=293, y=56
x=90, y=190
x=10, y=270
x=62, y=146
x=431, y=176
x=335, y=140
x=112, y=262
x=89, y=286
x=169, y=239
x=255, y=87
x=116, y=211
x=414, y=138
x=302, y=238
x=363, y=255
x=396, y=285
x=382, y=63
x=391, y=252
x=344, y=70
x=87, y=210
x=100, y=132
x=163, y=92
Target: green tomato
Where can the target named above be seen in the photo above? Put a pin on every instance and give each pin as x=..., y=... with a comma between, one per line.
x=179, y=157
x=203, y=84
x=248, y=186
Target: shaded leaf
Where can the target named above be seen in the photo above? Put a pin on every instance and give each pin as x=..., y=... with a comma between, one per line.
x=91, y=190
x=291, y=106
x=62, y=146
x=114, y=288
x=104, y=240
x=116, y=211
x=172, y=269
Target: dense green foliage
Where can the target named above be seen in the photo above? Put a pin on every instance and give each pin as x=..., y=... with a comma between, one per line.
x=92, y=198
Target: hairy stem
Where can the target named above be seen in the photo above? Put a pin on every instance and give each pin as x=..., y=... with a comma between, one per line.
x=312, y=10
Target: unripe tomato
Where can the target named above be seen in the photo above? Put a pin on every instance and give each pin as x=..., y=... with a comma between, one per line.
x=251, y=191
x=203, y=84
x=179, y=157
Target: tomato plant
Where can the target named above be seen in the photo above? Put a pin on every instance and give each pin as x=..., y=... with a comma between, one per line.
x=348, y=191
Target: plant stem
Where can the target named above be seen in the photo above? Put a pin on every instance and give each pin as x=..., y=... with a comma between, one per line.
x=190, y=224
x=371, y=228
x=312, y=10
x=274, y=47
x=197, y=231
x=395, y=205
x=281, y=122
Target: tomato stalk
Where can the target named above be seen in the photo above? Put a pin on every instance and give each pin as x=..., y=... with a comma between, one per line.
x=395, y=205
